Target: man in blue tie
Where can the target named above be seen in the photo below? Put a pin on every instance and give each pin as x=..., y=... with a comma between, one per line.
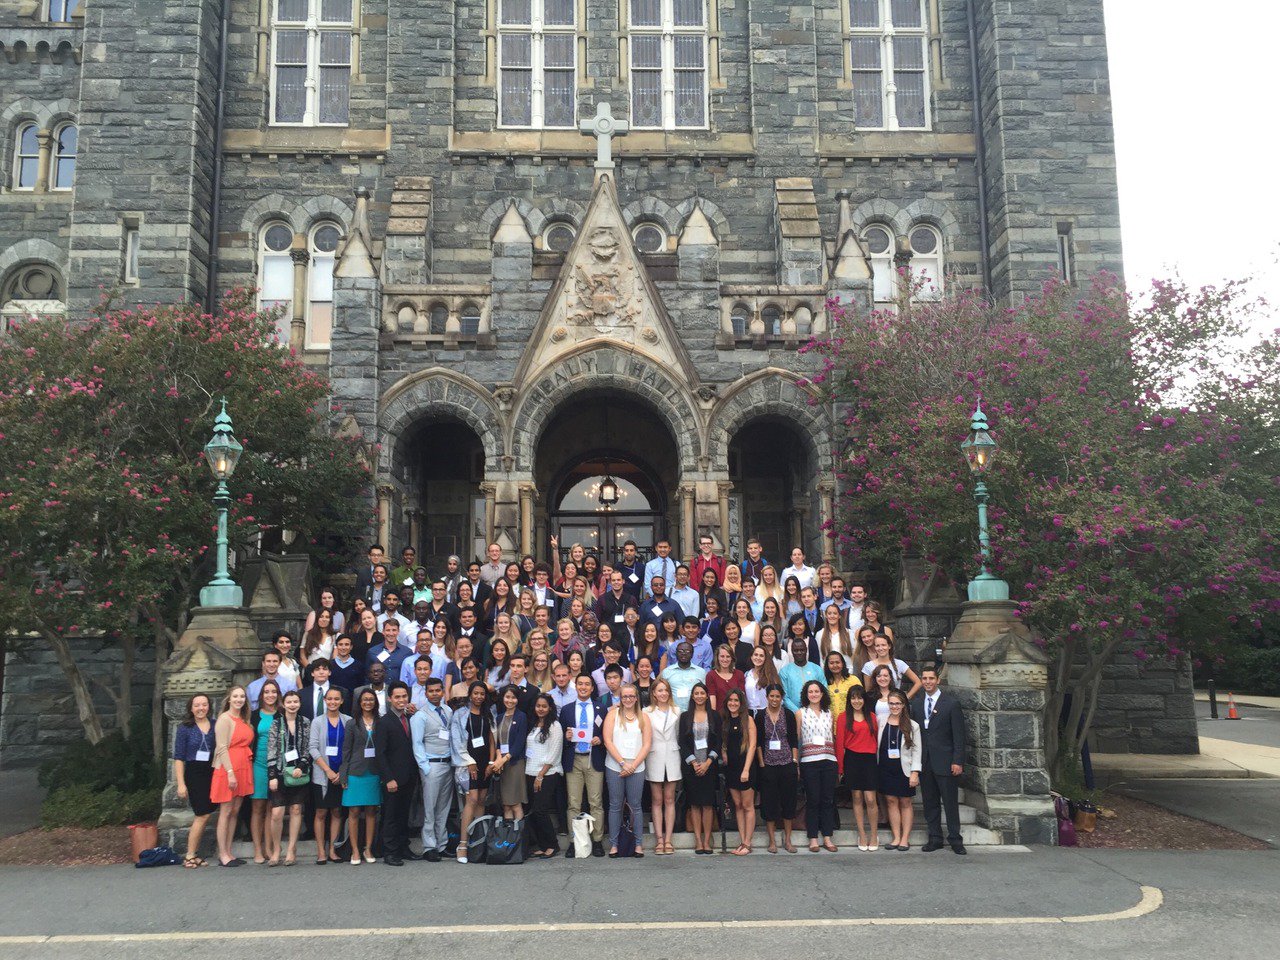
x=660, y=566
x=942, y=734
x=429, y=730
x=812, y=615
x=583, y=760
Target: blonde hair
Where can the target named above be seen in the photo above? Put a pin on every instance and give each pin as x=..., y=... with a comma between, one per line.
x=671, y=697
x=764, y=590
x=244, y=707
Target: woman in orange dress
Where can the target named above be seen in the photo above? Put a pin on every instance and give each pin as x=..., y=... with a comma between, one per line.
x=232, y=769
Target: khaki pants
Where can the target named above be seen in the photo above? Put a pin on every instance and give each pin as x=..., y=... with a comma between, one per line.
x=584, y=775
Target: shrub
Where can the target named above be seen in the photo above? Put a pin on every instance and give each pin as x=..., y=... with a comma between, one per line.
x=80, y=805
x=1255, y=671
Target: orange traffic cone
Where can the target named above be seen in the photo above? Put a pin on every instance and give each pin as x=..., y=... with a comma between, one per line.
x=1232, y=713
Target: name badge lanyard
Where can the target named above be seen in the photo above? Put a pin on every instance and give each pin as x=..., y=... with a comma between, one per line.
x=334, y=736
x=203, y=753
x=369, y=749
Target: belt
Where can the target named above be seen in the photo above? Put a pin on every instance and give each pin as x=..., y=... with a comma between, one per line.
x=437, y=759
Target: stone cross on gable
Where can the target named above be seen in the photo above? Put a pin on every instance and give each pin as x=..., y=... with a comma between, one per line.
x=604, y=128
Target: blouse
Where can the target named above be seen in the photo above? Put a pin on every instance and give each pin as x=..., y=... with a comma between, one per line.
x=718, y=687
x=817, y=741
x=190, y=743
x=539, y=754
x=782, y=732
x=757, y=699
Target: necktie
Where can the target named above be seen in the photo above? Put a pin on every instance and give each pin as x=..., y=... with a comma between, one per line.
x=320, y=692
x=582, y=725
x=440, y=714
x=928, y=710
x=404, y=723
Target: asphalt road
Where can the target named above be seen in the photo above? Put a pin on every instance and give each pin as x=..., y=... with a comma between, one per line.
x=1257, y=725
x=991, y=904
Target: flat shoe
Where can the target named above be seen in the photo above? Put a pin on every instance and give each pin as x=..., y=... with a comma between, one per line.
x=863, y=847
x=873, y=846
x=772, y=848
x=830, y=847
x=791, y=847
x=639, y=854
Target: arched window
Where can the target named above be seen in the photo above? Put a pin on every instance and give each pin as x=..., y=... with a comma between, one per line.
x=887, y=53
x=537, y=50
x=470, y=320
x=558, y=237
x=439, y=319
x=275, y=274
x=926, y=262
x=650, y=238
x=33, y=289
x=772, y=317
x=323, y=247
x=879, y=244
x=740, y=319
x=26, y=157
x=62, y=173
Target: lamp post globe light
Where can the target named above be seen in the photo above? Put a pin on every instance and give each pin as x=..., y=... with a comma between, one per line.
x=222, y=453
x=979, y=449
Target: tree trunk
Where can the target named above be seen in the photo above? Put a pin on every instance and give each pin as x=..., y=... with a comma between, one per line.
x=124, y=699
x=164, y=641
x=79, y=685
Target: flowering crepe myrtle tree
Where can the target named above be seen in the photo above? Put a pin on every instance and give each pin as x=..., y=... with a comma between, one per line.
x=1135, y=502
x=105, y=500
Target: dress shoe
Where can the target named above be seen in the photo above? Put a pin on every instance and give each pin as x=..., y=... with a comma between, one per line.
x=568, y=852
x=597, y=848
x=959, y=848
x=393, y=861
x=410, y=855
x=431, y=856
x=931, y=846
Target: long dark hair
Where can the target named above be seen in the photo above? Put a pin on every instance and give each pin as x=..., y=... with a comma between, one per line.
x=873, y=690
x=743, y=717
x=905, y=724
x=823, y=704
x=542, y=724
x=868, y=710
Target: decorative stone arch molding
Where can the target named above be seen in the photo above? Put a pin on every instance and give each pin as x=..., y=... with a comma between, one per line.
x=61, y=111
x=597, y=367
x=274, y=206
x=534, y=219
x=439, y=392
x=929, y=211
x=876, y=211
x=326, y=208
x=26, y=251
x=719, y=224
x=772, y=392
x=652, y=209
x=571, y=211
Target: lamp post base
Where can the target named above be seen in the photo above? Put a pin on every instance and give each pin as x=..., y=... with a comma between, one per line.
x=986, y=587
x=222, y=595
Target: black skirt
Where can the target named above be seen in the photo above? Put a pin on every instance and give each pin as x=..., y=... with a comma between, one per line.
x=286, y=796
x=733, y=773
x=197, y=776
x=860, y=772
x=327, y=797
x=700, y=791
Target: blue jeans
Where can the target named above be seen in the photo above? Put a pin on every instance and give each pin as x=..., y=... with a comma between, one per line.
x=625, y=788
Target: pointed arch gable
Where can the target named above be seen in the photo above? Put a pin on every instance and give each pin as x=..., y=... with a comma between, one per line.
x=439, y=392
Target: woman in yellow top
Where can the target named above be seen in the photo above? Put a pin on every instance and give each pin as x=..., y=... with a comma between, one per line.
x=839, y=682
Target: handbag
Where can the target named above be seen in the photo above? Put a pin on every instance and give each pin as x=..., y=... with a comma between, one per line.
x=1067, y=836
x=626, y=836
x=478, y=836
x=290, y=780
x=157, y=857
x=506, y=842
x=581, y=830
x=1086, y=816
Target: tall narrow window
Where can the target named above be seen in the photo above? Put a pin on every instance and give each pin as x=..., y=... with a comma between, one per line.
x=132, y=249
x=1066, y=254
x=537, y=44
x=275, y=275
x=324, y=244
x=887, y=56
x=668, y=42
x=62, y=174
x=926, y=262
x=311, y=62
x=26, y=157
x=62, y=11
x=879, y=244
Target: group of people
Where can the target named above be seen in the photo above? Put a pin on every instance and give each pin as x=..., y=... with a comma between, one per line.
x=553, y=690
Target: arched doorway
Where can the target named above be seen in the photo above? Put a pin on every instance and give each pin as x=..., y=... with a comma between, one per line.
x=774, y=485
x=443, y=466
x=599, y=433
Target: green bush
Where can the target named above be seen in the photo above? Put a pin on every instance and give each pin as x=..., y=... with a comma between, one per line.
x=117, y=780
x=80, y=805
x=1248, y=670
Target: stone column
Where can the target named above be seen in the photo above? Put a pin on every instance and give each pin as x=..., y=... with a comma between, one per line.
x=415, y=530
x=385, y=492
x=298, y=322
x=723, y=489
x=999, y=675
x=527, y=492
x=44, y=161
x=688, y=525
x=490, y=491
x=827, y=497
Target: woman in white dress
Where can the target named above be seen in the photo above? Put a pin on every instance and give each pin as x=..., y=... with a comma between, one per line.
x=746, y=621
x=662, y=766
x=834, y=635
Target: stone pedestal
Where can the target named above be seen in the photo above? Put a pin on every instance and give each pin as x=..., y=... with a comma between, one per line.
x=1000, y=676
x=926, y=613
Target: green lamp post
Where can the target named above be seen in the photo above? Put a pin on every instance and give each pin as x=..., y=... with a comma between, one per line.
x=979, y=448
x=222, y=453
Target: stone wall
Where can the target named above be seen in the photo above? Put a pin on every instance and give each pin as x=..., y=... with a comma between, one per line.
x=1145, y=707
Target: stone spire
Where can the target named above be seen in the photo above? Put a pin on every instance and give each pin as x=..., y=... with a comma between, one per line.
x=356, y=257
x=697, y=230
x=511, y=229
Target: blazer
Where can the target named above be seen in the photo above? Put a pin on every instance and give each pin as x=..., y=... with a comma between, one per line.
x=569, y=721
x=279, y=743
x=394, y=759
x=319, y=740
x=684, y=735
x=943, y=741
x=517, y=736
x=354, y=762
x=911, y=757
x=308, y=694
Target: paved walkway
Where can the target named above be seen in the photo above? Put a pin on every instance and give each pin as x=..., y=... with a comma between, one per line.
x=20, y=798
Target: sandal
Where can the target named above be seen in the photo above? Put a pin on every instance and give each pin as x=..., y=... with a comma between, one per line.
x=742, y=850
x=321, y=861
x=191, y=861
x=773, y=847
x=462, y=853
x=291, y=863
x=639, y=852
x=791, y=847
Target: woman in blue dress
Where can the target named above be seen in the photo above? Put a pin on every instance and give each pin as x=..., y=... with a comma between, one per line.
x=260, y=723
x=361, y=785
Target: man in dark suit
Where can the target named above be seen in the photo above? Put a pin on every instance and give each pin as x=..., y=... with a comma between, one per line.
x=313, y=693
x=942, y=730
x=583, y=759
x=399, y=772
x=364, y=571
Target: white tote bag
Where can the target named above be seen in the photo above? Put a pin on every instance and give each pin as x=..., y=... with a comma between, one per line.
x=582, y=825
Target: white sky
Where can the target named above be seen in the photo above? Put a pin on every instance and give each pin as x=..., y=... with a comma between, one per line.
x=1197, y=140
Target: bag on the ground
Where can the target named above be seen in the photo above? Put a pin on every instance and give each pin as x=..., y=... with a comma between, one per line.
x=581, y=831
x=478, y=836
x=506, y=842
x=1086, y=818
x=626, y=836
x=452, y=831
x=157, y=857
x=1066, y=829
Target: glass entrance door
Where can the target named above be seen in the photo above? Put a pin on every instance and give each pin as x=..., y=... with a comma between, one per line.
x=605, y=533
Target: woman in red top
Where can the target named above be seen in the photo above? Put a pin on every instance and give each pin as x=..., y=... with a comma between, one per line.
x=724, y=676
x=232, y=769
x=856, y=753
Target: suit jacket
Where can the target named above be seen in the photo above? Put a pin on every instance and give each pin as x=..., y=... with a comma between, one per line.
x=684, y=734
x=308, y=694
x=394, y=758
x=569, y=721
x=943, y=742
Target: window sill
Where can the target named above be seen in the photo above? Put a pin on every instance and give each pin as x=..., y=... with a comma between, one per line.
x=877, y=144
x=785, y=341
x=308, y=141
x=437, y=341
x=637, y=145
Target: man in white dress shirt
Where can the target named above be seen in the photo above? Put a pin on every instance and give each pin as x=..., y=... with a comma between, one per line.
x=804, y=574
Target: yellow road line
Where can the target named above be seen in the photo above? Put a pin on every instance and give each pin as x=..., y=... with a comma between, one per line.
x=1151, y=901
